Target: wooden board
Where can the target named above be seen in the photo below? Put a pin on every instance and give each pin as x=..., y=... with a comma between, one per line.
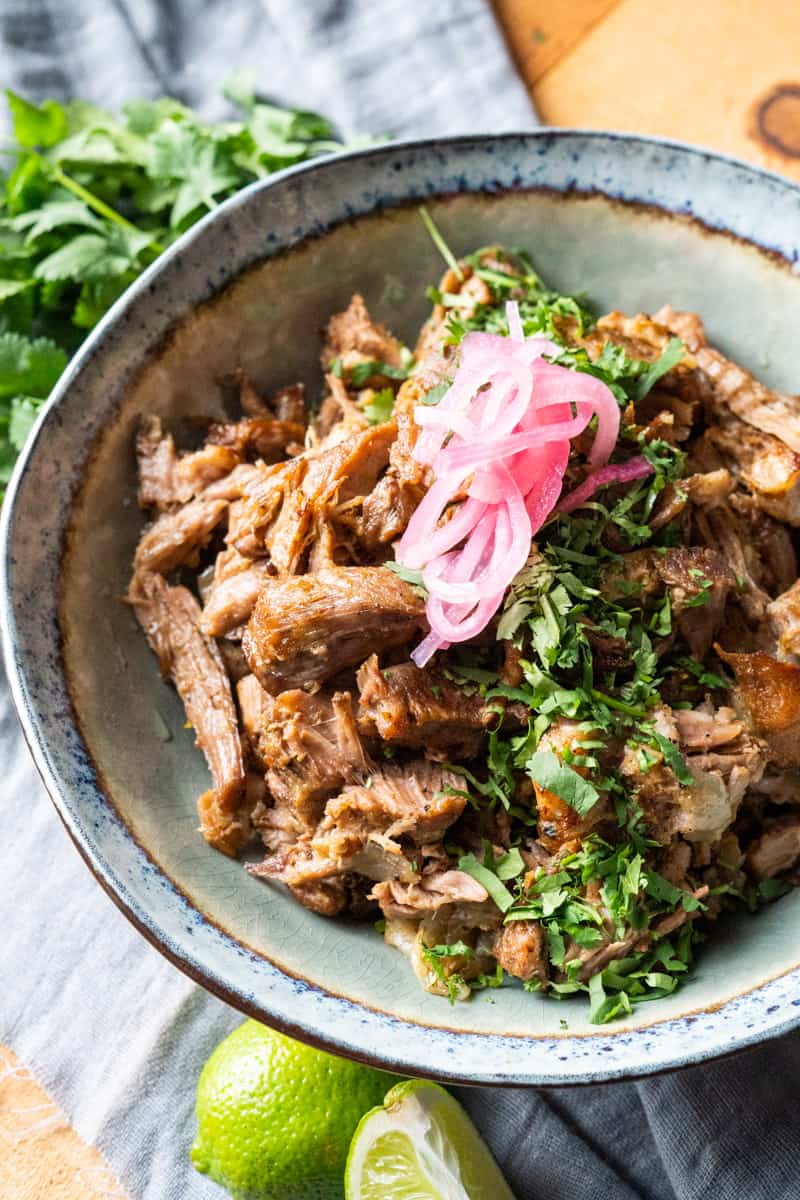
x=720, y=73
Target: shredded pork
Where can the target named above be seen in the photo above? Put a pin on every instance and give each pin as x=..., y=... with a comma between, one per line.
x=435, y=797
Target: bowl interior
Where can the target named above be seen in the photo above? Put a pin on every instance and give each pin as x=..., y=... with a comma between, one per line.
x=269, y=322
x=142, y=773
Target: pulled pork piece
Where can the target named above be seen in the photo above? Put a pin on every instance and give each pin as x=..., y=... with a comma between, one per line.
x=770, y=693
x=520, y=948
x=339, y=416
x=361, y=827
x=407, y=706
x=777, y=849
x=280, y=513
x=772, y=545
x=428, y=894
x=705, y=728
x=170, y=619
x=784, y=613
x=559, y=824
x=703, y=490
x=722, y=773
x=387, y=509
x=308, y=745
x=354, y=337
x=288, y=404
x=732, y=389
x=266, y=437
x=698, y=581
x=750, y=556
x=306, y=628
x=232, y=595
x=157, y=461
x=764, y=463
x=175, y=537
x=418, y=801
x=430, y=350
x=167, y=479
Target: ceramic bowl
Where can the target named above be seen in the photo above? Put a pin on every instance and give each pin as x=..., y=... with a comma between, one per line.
x=631, y=222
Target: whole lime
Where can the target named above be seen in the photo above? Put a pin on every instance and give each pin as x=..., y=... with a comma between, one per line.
x=275, y=1117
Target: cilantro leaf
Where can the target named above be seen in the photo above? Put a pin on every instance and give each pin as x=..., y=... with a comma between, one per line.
x=673, y=758
x=502, y=897
x=24, y=411
x=28, y=366
x=673, y=353
x=360, y=372
x=547, y=770
x=34, y=125
x=409, y=574
x=380, y=406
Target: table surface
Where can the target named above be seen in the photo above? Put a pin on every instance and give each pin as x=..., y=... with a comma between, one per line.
x=721, y=73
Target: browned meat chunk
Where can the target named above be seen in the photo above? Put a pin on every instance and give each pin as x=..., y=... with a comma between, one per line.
x=165, y=479
x=306, y=628
x=757, y=549
x=307, y=744
x=430, y=349
x=387, y=509
x=361, y=828
x=233, y=593
x=519, y=947
x=284, y=506
x=777, y=849
x=418, y=801
x=354, y=337
x=175, y=537
x=785, y=615
x=264, y=437
x=157, y=460
x=703, y=490
x=429, y=894
x=698, y=581
x=559, y=824
x=288, y=404
x=732, y=389
x=705, y=730
x=254, y=520
x=770, y=692
x=407, y=706
x=764, y=463
x=702, y=811
x=170, y=618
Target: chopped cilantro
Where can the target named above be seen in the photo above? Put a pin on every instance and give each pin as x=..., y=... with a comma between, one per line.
x=380, y=406
x=546, y=769
x=485, y=876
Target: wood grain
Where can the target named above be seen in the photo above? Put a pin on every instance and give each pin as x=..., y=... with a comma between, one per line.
x=720, y=73
x=41, y=1158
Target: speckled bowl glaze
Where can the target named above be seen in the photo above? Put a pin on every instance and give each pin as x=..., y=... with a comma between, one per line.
x=631, y=222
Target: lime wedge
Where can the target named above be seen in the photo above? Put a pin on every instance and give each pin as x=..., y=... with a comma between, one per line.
x=421, y=1145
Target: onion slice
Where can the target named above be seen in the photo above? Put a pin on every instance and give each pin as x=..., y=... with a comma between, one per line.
x=499, y=443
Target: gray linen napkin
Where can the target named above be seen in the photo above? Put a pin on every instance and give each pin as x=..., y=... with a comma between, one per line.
x=114, y=1032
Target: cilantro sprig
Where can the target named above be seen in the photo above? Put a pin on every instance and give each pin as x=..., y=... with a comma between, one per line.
x=89, y=199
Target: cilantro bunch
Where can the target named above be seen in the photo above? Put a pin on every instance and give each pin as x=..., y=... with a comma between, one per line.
x=88, y=200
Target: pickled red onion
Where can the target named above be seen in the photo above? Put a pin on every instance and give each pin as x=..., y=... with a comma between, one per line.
x=498, y=443
x=634, y=468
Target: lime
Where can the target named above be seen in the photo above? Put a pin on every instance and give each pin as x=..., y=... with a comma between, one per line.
x=421, y=1145
x=275, y=1118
